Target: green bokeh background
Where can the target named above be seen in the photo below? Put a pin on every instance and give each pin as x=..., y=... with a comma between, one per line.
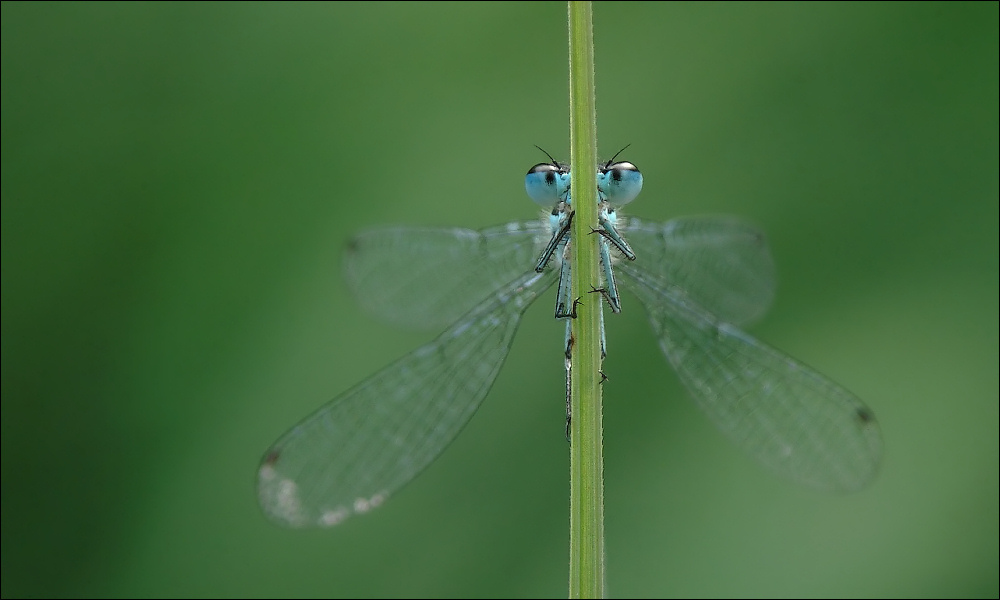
x=179, y=181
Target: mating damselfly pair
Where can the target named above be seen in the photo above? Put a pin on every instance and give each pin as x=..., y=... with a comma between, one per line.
x=699, y=278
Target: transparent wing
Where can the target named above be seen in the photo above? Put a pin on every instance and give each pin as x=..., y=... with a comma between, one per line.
x=788, y=416
x=429, y=277
x=721, y=263
x=348, y=456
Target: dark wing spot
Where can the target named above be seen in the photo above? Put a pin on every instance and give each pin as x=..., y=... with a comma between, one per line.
x=864, y=415
x=271, y=457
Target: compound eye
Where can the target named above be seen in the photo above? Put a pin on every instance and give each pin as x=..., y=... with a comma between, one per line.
x=619, y=182
x=547, y=183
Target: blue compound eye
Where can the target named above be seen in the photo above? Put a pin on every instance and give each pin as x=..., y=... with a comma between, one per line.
x=619, y=183
x=547, y=183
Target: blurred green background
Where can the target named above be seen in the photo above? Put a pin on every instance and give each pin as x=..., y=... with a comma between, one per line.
x=179, y=181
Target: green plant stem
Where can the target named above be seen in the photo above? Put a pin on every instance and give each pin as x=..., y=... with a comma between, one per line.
x=586, y=570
